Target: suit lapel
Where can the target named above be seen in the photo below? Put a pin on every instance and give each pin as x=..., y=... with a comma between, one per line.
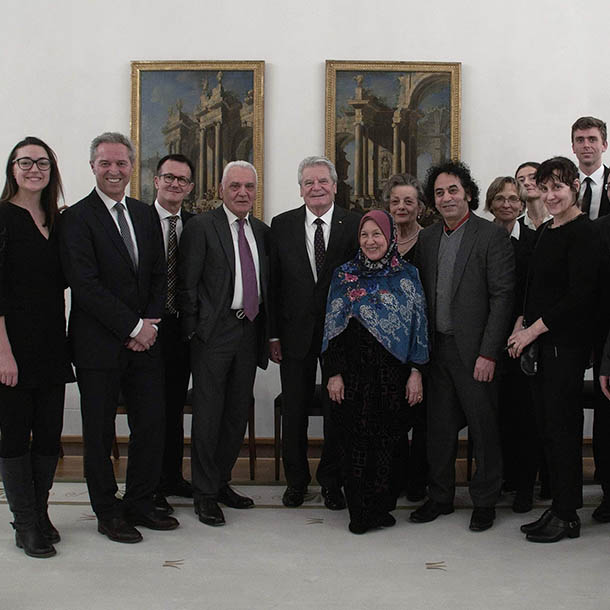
x=298, y=239
x=106, y=220
x=336, y=234
x=260, y=247
x=470, y=233
x=221, y=224
x=430, y=257
x=604, y=204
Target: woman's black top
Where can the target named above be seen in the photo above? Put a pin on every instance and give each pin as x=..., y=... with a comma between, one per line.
x=562, y=282
x=32, y=299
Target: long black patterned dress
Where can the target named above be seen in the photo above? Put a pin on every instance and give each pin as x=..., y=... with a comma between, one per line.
x=372, y=418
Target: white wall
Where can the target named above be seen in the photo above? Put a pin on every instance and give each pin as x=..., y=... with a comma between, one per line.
x=529, y=68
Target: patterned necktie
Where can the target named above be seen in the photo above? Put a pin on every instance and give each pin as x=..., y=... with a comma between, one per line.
x=172, y=261
x=586, y=198
x=318, y=245
x=248, y=273
x=126, y=233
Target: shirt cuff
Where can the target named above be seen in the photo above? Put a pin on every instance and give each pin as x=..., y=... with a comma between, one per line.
x=137, y=329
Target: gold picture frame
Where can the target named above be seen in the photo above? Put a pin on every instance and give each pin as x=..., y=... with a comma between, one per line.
x=384, y=118
x=210, y=111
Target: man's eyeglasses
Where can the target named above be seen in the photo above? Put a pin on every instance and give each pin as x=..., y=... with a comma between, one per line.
x=169, y=178
x=25, y=163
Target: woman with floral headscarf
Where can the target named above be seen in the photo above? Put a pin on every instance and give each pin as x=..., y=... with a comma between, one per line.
x=375, y=335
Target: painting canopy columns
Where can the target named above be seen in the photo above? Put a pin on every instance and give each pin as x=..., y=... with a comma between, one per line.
x=388, y=118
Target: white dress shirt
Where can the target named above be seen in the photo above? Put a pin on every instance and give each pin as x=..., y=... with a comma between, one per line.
x=109, y=202
x=310, y=231
x=597, y=185
x=238, y=291
x=164, y=215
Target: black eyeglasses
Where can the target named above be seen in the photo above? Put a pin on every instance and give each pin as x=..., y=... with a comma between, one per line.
x=25, y=163
x=169, y=178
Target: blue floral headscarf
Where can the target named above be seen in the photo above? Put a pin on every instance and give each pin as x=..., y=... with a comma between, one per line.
x=385, y=296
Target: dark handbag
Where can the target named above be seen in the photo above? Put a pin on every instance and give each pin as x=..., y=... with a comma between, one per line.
x=529, y=359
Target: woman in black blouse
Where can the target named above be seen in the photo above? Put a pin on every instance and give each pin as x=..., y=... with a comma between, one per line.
x=558, y=305
x=34, y=362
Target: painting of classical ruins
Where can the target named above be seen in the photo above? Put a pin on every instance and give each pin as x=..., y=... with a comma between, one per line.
x=212, y=112
x=385, y=118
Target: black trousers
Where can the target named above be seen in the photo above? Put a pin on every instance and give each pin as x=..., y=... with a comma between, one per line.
x=521, y=442
x=298, y=378
x=455, y=399
x=140, y=377
x=38, y=413
x=176, y=360
x=557, y=391
x=601, y=435
x=224, y=369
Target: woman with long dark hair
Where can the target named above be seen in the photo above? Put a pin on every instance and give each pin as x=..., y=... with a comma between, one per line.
x=34, y=362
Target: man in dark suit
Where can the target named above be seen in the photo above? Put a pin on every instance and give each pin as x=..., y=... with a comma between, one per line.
x=113, y=260
x=174, y=182
x=589, y=142
x=467, y=269
x=305, y=247
x=223, y=299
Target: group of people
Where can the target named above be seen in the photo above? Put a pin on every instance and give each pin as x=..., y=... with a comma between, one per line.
x=421, y=330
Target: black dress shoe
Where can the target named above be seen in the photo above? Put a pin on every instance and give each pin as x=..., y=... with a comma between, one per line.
x=429, y=511
x=162, y=505
x=209, y=512
x=154, y=520
x=355, y=527
x=118, y=530
x=523, y=502
x=181, y=488
x=602, y=512
x=229, y=497
x=482, y=518
x=529, y=528
x=293, y=496
x=555, y=529
x=333, y=498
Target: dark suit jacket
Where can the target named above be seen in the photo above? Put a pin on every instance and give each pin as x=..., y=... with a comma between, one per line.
x=298, y=302
x=483, y=287
x=602, y=317
x=604, y=204
x=206, y=276
x=108, y=295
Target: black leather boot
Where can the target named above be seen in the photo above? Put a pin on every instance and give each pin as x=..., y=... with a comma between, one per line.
x=19, y=490
x=43, y=473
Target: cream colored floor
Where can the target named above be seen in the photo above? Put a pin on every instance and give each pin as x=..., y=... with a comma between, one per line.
x=271, y=557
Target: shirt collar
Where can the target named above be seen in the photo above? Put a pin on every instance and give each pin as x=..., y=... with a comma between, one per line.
x=163, y=213
x=597, y=177
x=109, y=202
x=232, y=218
x=327, y=217
x=449, y=231
x=516, y=232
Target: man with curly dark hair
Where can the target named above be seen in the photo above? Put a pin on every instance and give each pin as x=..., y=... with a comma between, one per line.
x=467, y=270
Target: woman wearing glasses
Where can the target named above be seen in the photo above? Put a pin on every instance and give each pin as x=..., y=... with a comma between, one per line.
x=506, y=200
x=34, y=362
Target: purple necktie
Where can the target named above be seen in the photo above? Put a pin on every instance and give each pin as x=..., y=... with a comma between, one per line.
x=248, y=273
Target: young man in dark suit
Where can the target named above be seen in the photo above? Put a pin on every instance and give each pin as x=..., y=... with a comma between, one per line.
x=589, y=142
x=306, y=245
x=174, y=183
x=467, y=270
x=113, y=260
x=223, y=299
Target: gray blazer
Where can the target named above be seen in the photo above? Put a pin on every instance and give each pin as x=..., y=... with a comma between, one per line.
x=207, y=275
x=483, y=287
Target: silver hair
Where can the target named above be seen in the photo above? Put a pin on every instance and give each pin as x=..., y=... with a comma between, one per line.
x=402, y=180
x=243, y=164
x=112, y=137
x=312, y=162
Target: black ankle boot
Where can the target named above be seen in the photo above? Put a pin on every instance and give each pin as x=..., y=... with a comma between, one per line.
x=43, y=472
x=19, y=489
